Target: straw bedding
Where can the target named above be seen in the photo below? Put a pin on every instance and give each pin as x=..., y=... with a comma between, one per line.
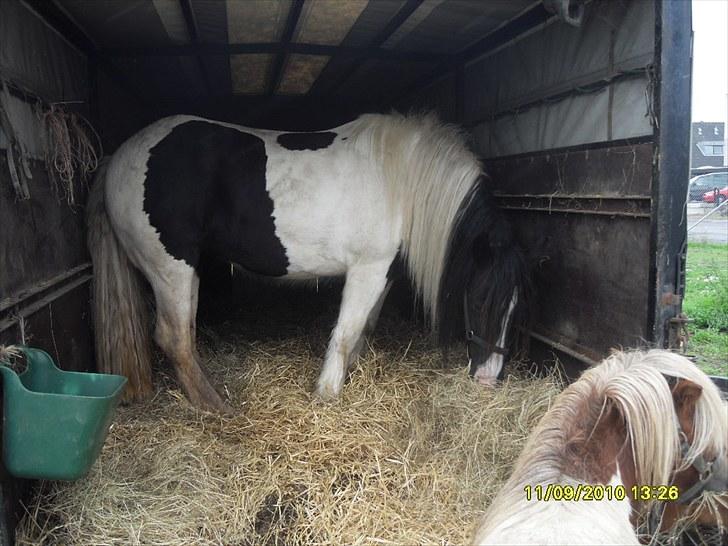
x=411, y=454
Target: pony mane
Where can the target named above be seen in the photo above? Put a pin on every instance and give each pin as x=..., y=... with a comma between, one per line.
x=427, y=173
x=635, y=383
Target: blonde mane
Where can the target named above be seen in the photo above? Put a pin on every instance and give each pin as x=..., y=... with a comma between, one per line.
x=635, y=384
x=427, y=172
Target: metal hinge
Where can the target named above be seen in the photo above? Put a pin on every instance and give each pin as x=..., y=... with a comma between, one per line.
x=678, y=335
x=569, y=11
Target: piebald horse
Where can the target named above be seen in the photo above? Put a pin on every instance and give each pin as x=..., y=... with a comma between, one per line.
x=621, y=435
x=341, y=202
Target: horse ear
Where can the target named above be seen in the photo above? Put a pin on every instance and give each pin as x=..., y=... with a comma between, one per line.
x=685, y=393
x=611, y=416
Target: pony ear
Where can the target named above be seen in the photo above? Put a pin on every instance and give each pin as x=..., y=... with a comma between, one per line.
x=611, y=416
x=685, y=393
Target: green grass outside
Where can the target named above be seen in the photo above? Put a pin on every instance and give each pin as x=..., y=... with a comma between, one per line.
x=706, y=304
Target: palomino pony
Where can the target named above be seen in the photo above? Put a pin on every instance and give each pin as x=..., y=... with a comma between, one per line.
x=342, y=202
x=613, y=443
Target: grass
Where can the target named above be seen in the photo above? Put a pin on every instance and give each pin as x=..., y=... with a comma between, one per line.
x=706, y=304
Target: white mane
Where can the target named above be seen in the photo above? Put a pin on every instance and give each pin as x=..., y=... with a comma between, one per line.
x=427, y=172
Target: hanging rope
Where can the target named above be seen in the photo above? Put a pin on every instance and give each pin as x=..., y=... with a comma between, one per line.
x=70, y=153
x=11, y=356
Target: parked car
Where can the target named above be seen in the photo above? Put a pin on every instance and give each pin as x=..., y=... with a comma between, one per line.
x=709, y=196
x=703, y=183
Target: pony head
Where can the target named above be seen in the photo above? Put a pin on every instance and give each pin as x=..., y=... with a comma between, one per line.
x=702, y=474
x=639, y=418
x=677, y=430
x=485, y=287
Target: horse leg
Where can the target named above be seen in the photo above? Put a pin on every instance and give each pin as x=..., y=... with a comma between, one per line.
x=371, y=322
x=175, y=333
x=364, y=286
x=376, y=310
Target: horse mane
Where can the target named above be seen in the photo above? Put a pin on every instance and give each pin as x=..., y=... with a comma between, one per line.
x=428, y=173
x=635, y=383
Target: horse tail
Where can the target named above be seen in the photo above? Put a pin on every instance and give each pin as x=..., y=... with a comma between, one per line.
x=121, y=315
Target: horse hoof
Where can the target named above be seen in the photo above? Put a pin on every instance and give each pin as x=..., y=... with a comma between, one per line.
x=225, y=409
x=326, y=394
x=212, y=403
x=222, y=408
x=219, y=405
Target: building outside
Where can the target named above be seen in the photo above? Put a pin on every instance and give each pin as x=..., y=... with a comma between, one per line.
x=708, y=146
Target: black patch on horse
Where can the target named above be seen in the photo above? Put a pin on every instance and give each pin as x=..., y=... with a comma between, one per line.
x=306, y=141
x=205, y=190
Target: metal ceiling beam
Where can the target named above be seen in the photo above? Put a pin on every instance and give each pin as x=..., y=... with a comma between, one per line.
x=276, y=73
x=390, y=28
x=193, y=32
x=395, y=22
x=502, y=35
x=273, y=47
x=517, y=26
x=56, y=18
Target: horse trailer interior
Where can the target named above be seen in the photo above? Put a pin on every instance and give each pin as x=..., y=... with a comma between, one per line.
x=579, y=110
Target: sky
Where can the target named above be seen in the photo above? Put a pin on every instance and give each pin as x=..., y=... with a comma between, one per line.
x=710, y=60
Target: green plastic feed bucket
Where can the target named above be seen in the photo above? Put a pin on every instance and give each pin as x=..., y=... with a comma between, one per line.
x=55, y=422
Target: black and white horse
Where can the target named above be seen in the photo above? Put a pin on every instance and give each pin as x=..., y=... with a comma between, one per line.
x=343, y=202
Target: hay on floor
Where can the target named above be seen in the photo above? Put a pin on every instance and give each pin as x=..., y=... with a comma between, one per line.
x=411, y=454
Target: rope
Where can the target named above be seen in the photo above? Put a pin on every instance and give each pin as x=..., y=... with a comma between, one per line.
x=11, y=356
x=69, y=151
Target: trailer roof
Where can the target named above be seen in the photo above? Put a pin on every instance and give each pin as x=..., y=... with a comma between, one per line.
x=354, y=50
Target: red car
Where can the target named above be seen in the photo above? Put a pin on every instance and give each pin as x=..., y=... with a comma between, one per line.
x=709, y=196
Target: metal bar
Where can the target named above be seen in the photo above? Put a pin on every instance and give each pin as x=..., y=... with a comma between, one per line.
x=723, y=204
x=294, y=14
x=24, y=295
x=671, y=121
x=520, y=24
x=33, y=308
x=593, y=86
x=389, y=29
x=194, y=34
x=56, y=18
x=305, y=48
x=575, y=148
x=581, y=211
x=574, y=196
x=563, y=348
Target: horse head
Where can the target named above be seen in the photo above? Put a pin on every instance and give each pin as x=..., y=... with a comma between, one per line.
x=488, y=285
x=683, y=445
x=702, y=474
